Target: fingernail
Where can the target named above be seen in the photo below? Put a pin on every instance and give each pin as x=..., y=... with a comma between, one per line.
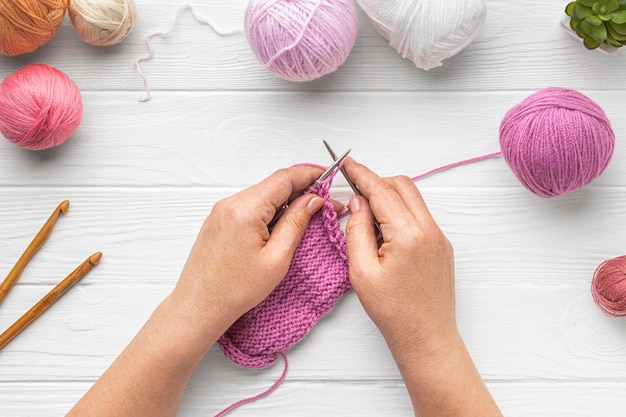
x=314, y=205
x=354, y=204
x=338, y=206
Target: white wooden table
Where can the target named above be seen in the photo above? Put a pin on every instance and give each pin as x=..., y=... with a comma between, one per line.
x=141, y=177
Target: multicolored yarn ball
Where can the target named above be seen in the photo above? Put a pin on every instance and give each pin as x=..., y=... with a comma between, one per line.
x=103, y=22
x=25, y=25
x=426, y=31
x=40, y=107
x=608, y=286
x=556, y=141
x=301, y=40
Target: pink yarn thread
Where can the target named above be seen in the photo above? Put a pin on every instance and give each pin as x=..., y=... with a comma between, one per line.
x=456, y=164
x=168, y=33
x=265, y=393
x=301, y=40
x=40, y=107
x=556, y=141
x=608, y=286
x=317, y=278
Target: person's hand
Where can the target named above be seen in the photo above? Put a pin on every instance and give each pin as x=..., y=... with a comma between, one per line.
x=407, y=285
x=235, y=262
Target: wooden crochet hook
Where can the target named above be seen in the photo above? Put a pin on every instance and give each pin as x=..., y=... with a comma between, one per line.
x=49, y=299
x=34, y=246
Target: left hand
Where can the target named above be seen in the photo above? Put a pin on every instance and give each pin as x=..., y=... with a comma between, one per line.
x=235, y=262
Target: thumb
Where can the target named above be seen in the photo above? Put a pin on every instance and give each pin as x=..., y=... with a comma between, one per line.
x=291, y=226
x=361, y=237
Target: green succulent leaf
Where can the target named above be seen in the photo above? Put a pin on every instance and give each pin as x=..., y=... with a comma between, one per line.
x=614, y=34
x=605, y=7
x=580, y=12
x=599, y=33
x=580, y=32
x=594, y=20
x=591, y=43
x=618, y=17
x=613, y=42
x=588, y=3
x=585, y=28
x=619, y=28
x=612, y=5
x=573, y=23
x=569, y=9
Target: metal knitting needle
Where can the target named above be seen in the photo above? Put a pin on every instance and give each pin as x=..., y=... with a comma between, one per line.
x=322, y=177
x=353, y=186
x=332, y=167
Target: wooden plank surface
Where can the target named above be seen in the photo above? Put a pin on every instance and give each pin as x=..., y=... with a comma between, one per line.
x=142, y=177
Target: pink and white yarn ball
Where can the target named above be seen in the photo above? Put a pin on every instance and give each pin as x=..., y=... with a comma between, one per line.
x=301, y=40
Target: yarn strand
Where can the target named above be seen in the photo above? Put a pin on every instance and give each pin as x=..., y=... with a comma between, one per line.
x=264, y=394
x=456, y=164
x=167, y=33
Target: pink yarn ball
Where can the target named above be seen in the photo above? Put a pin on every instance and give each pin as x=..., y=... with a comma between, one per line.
x=40, y=107
x=608, y=286
x=556, y=141
x=301, y=40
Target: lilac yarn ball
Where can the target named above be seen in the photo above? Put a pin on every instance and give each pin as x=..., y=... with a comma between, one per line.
x=556, y=141
x=301, y=40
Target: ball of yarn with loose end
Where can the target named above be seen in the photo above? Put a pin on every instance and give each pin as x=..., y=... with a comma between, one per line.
x=40, y=107
x=608, y=286
x=25, y=25
x=103, y=22
x=301, y=40
x=426, y=31
x=556, y=141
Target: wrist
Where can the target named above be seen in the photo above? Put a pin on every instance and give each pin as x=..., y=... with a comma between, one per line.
x=200, y=320
x=417, y=349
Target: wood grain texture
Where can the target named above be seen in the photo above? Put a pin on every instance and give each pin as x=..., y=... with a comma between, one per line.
x=141, y=178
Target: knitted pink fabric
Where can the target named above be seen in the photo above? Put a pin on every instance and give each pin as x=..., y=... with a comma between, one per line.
x=317, y=277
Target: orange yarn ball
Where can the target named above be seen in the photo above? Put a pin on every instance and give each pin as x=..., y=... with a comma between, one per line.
x=25, y=25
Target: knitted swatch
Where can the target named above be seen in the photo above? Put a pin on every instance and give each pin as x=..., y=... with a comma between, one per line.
x=317, y=277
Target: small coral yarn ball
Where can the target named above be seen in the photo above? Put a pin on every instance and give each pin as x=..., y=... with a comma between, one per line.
x=608, y=286
x=25, y=25
x=556, y=141
x=103, y=22
x=301, y=40
x=40, y=107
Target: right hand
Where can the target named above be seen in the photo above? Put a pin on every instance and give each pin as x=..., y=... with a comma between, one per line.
x=407, y=284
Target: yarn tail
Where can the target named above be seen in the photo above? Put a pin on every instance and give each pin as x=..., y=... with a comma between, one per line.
x=265, y=393
x=456, y=164
x=168, y=33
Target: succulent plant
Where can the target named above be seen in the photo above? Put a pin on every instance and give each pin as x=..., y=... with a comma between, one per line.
x=598, y=21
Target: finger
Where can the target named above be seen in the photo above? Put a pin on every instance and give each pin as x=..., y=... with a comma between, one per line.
x=282, y=184
x=385, y=202
x=413, y=199
x=361, y=238
x=291, y=226
x=363, y=177
x=272, y=192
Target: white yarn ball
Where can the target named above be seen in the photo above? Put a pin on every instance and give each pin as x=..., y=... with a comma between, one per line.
x=426, y=31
